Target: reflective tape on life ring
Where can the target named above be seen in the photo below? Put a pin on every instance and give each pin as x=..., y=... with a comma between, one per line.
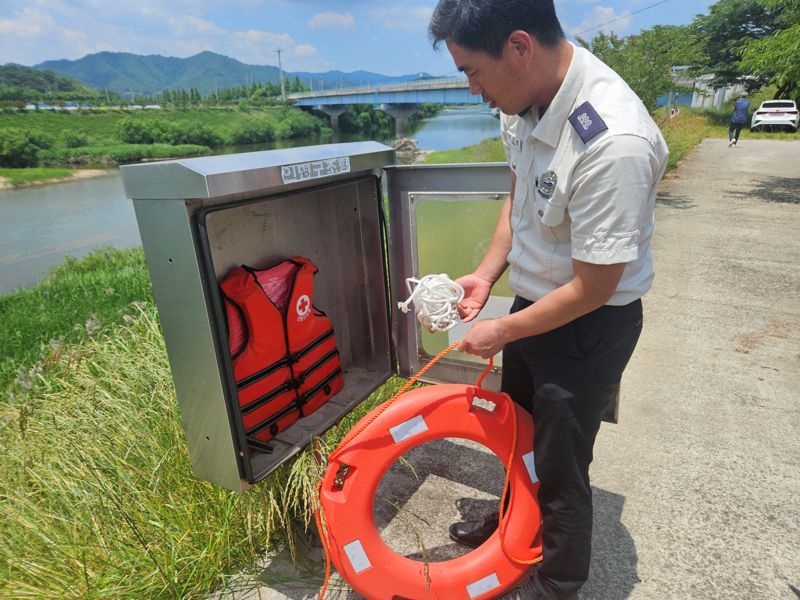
x=351, y=480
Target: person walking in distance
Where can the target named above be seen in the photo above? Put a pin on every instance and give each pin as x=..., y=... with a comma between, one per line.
x=738, y=119
x=585, y=158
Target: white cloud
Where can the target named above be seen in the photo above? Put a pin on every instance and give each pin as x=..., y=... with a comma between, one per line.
x=188, y=26
x=602, y=18
x=332, y=20
x=404, y=17
x=27, y=23
x=54, y=29
x=259, y=47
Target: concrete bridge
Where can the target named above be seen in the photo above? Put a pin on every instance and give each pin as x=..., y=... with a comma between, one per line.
x=398, y=100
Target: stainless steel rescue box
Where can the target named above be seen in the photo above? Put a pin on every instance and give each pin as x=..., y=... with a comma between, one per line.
x=199, y=218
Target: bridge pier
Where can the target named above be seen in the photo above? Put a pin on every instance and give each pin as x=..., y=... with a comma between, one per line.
x=334, y=112
x=400, y=113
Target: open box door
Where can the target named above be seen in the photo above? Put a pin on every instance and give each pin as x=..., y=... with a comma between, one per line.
x=441, y=220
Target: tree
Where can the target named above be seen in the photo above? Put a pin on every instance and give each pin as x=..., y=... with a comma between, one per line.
x=645, y=60
x=776, y=58
x=19, y=148
x=725, y=30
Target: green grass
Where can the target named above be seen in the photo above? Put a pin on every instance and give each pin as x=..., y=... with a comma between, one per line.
x=99, y=131
x=485, y=151
x=98, y=498
x=683, y=133
x=119, y=153
x=77, y=296
x=22, y=176
x=101, y=127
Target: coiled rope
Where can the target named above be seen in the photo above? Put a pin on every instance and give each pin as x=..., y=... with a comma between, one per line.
x=435, y=299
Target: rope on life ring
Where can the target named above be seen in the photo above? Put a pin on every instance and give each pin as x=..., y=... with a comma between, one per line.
x=346, y=494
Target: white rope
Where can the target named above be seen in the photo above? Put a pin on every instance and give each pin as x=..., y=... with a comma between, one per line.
x=435, y=299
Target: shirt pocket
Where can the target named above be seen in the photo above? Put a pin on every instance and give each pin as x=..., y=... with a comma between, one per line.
x=551, y=211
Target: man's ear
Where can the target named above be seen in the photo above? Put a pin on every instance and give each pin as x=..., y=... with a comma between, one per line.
x=521, y=44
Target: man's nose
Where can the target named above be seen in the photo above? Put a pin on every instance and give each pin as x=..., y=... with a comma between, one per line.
x=475, y=88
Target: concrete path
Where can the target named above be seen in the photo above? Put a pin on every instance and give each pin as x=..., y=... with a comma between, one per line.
x=697, y=489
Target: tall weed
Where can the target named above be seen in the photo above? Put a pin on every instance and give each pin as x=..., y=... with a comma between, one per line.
x=78, y=296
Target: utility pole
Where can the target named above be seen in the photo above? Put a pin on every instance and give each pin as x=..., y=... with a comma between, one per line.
x=280, y=68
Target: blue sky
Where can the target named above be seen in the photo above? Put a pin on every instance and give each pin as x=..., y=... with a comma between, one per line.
x=387, y=37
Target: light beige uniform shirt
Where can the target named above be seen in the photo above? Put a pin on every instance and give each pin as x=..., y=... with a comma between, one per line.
x=586, y=173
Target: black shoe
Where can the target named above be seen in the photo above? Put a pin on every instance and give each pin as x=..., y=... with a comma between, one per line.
x=473, y=533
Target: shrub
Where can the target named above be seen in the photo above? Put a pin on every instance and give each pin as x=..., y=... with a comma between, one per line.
x=73, y=139
x=137, y=131
x=363, y=118
x=253, y=132
x=18, y=148
x=297, y=124
x=195, y=133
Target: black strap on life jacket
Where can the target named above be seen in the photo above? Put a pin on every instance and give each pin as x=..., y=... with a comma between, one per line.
x=293, y=358
x=300, y=379
x=324, y=385
x=272, y=422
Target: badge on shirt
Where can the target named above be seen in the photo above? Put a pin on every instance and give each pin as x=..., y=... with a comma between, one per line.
x=513, y=140
x=547, y=184
x=587, y=122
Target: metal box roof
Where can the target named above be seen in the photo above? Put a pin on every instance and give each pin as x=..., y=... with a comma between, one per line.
x=268, y=171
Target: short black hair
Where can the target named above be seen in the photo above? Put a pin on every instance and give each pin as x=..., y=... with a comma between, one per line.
x=484, y=25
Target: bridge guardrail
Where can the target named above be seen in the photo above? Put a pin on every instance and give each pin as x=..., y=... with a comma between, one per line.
x=442, y=82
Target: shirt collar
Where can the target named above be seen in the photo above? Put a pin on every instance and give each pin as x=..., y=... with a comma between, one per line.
x=549, y=127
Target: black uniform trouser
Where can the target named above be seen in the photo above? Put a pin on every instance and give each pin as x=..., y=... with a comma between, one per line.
x=566, y=379
x=734, y=129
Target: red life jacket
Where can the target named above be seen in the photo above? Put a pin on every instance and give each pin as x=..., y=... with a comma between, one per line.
x=285, y=360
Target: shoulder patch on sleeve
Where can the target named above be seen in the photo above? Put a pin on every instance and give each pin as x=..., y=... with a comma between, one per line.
x=587, y=122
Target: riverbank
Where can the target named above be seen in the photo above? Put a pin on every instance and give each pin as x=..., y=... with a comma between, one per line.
x=23, y=178
x=64, y=139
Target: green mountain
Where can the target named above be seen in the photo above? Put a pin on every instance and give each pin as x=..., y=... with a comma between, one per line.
x=131, y=74
x=123, y=72
x=29, y=79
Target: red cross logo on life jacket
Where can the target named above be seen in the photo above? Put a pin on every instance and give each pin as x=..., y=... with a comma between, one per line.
x=303, y=307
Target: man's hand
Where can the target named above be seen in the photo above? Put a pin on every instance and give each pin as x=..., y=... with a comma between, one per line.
x=485, y=338
x=476, y=293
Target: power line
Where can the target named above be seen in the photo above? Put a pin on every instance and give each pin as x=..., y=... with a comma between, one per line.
x=625, y=16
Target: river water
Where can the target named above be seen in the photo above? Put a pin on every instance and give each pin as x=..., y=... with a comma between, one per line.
x=40, y=225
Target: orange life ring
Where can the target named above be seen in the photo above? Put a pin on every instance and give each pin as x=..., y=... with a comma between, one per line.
x=348, y=490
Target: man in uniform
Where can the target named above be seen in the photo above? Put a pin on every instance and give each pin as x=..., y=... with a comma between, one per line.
x=585, y=159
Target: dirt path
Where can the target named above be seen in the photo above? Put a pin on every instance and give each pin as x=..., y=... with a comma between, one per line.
x=699, y=484
x=697, y=489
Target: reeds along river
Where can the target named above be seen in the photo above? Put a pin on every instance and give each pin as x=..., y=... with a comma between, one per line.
x=41, y=225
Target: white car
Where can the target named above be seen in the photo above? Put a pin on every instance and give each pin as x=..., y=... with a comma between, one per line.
x=776, y=113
